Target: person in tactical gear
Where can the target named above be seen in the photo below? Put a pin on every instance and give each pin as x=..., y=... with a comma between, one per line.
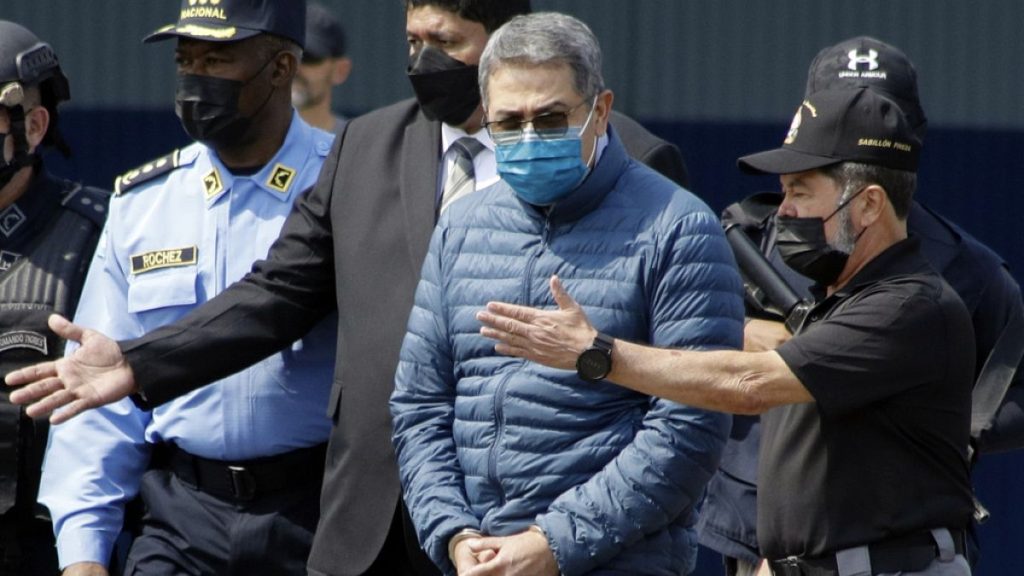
x=48, y=230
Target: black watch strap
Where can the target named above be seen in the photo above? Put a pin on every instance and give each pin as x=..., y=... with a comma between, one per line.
x=603, y=342
x=596, y=362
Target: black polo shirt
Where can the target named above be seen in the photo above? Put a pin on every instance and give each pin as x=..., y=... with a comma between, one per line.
x=889, y=360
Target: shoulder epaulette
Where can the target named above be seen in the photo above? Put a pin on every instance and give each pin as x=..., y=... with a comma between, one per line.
x=146, y=172
x=86, y=201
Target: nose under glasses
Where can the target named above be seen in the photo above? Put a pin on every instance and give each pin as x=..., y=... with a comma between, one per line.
x=548, y=126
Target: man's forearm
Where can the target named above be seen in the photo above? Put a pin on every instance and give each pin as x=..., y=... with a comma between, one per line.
x=726, y=381
x=232, y=331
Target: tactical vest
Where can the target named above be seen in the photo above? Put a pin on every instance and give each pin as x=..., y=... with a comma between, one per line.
x=47, y=278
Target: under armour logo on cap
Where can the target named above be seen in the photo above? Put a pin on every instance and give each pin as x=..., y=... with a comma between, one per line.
x=866, y=61
x=856, y=58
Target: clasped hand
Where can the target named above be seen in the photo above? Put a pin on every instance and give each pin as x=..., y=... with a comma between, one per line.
x=523, y=554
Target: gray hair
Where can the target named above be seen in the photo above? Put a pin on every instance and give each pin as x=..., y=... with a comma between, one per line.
x=546, y=38
x=899, y=185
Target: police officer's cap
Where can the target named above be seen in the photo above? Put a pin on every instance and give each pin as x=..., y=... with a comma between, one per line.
x=233, y=20
x=26, y=60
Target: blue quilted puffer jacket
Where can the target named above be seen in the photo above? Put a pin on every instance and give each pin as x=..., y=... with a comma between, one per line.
x=497, y=443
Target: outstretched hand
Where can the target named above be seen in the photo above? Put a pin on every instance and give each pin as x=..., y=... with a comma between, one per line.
x=554, y=338
x=94, y=375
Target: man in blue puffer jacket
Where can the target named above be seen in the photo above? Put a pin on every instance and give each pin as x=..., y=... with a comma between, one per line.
x=509, y=467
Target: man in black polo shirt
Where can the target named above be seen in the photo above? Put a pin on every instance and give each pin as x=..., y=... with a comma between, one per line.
x=866, y=409
x=728, y=521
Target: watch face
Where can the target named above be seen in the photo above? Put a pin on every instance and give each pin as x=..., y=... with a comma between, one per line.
x=594, y=364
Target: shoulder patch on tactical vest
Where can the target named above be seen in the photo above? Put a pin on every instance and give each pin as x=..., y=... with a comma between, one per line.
x=146, y=172
x=86, y=201
x=25, y=339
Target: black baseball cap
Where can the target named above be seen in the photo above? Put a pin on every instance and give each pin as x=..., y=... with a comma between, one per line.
x=325, y=37
x=867, y=61
x=233, y=20
x=841, y=125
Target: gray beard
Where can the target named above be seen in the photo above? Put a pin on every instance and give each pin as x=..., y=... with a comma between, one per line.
x=846, y=239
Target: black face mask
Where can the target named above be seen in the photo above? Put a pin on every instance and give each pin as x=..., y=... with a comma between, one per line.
x=803, y=247
x=208, y=108
x=446, y=89
x=22, y=157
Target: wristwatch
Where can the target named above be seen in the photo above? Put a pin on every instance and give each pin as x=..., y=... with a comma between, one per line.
x=596, y=362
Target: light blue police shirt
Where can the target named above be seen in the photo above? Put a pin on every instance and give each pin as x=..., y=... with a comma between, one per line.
x=170, y=244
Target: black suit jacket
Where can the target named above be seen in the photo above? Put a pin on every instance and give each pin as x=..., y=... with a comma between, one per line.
x=659, y=154
x=356, y=242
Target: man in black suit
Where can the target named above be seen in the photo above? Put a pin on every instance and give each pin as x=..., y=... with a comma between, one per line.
x=365, y=225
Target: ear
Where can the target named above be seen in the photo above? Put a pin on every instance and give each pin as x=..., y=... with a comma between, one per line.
x=603, y=111
x=286, y=65
x=37, y=122
x=874, y=202
x=340, y=71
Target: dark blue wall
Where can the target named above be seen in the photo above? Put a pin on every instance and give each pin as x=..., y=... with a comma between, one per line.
x=106, y=143
x=966, y=175
x=970, y=176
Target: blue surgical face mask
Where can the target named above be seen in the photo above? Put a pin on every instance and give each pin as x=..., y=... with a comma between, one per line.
x=543, y=171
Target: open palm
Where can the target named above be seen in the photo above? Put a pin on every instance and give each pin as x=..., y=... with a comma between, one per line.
x=94, y=375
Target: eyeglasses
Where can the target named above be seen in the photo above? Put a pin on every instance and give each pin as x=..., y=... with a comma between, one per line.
x=548, y=126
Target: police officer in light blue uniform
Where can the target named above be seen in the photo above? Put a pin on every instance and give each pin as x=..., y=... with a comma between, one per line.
x=229, y=475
